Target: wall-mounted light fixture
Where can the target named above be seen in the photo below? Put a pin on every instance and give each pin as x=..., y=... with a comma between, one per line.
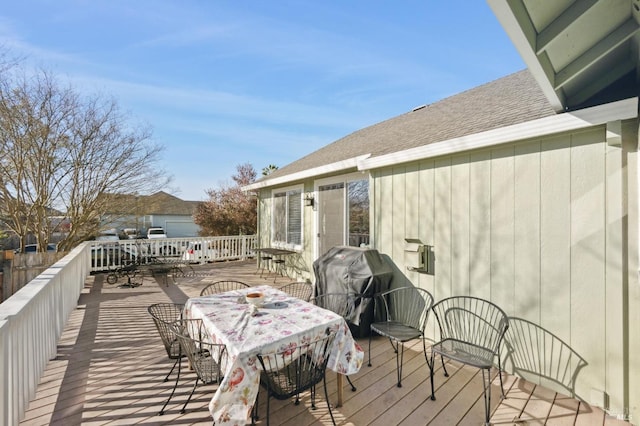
x=308, y=199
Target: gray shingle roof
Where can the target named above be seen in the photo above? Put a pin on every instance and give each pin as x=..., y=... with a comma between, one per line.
x=510, y=100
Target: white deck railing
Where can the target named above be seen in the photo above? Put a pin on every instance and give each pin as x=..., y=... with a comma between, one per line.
x=32, y=320
x=107, y=255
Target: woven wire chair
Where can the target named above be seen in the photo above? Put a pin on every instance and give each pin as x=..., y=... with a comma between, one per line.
x=289, y=372
x=205, y=358
x=301, y=290
x=342, y=304
x=222, y=286
x=404, y=311
x=164, y=314
x=471, y=332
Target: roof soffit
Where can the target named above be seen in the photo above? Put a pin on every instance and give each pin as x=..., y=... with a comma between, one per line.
x=575, y=49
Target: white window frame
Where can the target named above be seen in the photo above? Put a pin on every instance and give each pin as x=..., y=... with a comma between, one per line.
x=346, y=179
x=287, y=190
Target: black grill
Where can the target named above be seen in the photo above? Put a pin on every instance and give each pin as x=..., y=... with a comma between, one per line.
x=354, y=270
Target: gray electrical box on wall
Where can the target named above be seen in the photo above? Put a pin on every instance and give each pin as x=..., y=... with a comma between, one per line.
x=419, y=257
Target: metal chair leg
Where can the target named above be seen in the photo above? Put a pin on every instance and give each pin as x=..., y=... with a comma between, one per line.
x=184, y=407
x=174, y=388
x=353, y=388
x=399, y=360
x=166, y=379
x=326, y=397
x=263, y=260
x=486, y=384
x=431, y=368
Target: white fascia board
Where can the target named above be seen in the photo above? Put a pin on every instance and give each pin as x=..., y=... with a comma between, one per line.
x=349, y=163
x=515, y=20
x=569, y=121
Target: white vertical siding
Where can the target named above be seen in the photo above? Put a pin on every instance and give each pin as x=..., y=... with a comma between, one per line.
x=460, y=253
x=384, y=209
x=400, y=211
x=555, y=236
x=502, y=227
x=442, y=228
x=537, y=227
x=426, y=206
x=526, y=215
x=587, y=255
x=631, y=308
x=413, y=215
x=615, y=267
x=480, y=223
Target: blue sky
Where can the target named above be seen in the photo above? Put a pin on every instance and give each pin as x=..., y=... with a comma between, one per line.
x=223, y=83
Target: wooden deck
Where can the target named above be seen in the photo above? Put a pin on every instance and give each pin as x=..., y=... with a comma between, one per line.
x=111, y=363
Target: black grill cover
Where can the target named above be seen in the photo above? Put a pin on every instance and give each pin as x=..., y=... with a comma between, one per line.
x=354, y=270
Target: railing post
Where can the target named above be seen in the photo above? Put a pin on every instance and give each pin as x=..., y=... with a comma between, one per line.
x=243, y=256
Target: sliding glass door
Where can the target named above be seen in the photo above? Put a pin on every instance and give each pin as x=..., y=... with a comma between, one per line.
x=343, y=214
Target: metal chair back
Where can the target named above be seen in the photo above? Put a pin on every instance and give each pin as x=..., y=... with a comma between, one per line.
x=471, y=320
x=471, y=332
x=404, y=311
x=163, y=315
x=205, y=358
x=409, y=306
x=222, y=286
x=289, y=372
x=301, y=290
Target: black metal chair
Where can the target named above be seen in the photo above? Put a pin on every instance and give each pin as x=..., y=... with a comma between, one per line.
x=205, y=358
x=222, y=286
x=301, y=290
x=264, y=261
x=279, y=268
x=342, y=304
x=404, y=312
x=471, y=332
x=289, y=372
x=163, y=315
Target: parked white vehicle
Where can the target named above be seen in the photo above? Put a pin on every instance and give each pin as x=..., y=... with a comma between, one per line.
x=156, y=232
x=199, y=252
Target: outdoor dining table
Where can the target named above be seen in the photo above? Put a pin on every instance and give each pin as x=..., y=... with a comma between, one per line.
x=281, y=321
x=275, y=255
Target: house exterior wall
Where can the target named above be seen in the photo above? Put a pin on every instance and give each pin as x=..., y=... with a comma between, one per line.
x=543, y=229
x=633, y=283
x=300, y=265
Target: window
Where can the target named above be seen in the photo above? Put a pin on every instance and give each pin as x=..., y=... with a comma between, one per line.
x=358, y=219
x=287, y=217
x=343, y=214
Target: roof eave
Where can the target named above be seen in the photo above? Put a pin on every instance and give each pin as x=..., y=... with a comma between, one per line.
x=515, y=21
x=339, y=166
x=569, y=121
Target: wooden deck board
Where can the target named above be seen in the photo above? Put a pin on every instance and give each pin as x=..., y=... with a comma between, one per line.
x=111, y=363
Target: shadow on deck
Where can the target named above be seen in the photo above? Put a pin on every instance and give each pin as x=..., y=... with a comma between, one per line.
x=111, y=363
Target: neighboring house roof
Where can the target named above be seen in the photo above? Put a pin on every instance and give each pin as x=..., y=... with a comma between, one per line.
x=510, y=100
x=159, y=203
x=163, y=203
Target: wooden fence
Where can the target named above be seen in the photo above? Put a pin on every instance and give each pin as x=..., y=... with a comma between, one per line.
x=18, y=269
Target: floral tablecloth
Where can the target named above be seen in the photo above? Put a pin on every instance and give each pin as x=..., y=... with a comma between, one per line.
x=282, y=321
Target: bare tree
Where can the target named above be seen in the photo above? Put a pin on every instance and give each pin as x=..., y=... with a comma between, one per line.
x=229, y=210
x=60, y=150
